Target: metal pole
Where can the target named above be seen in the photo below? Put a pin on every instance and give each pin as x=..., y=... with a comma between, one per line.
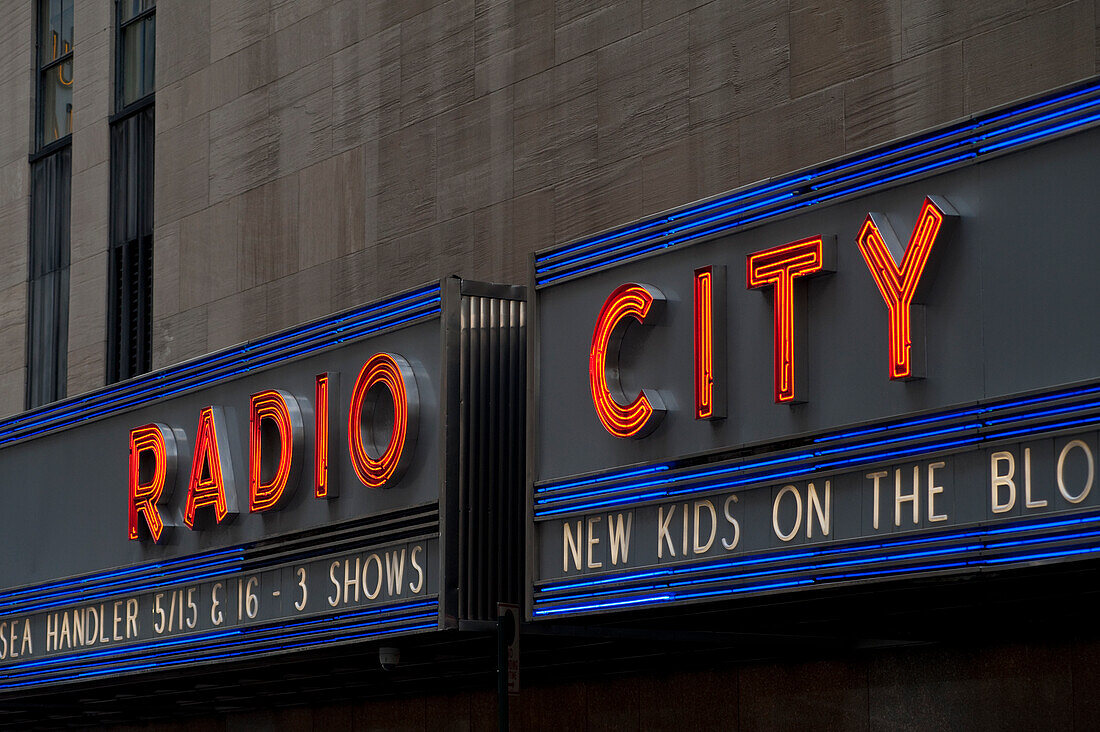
x=503, y=639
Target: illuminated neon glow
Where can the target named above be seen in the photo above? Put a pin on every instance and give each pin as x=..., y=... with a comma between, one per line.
x=619, y=492
x=393, y=374
x=899, y=285
x=642, y=415
x=157, y=441
x=779, y=267
x=280, y=409
x=324, y=471
x=823, y=563
x=211, y=482
x=342, y=328
x=710, y=342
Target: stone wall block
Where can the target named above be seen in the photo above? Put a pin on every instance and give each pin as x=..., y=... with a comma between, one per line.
x=921, y=92
x=89, y=207
x=608, y=196
x=331, y=209
x=437, y=60
x=582, y=27
x=208, y=244
x=179, y=337
x=792, y=135
x=236, y=24
x=166, y=270
x=740, y=61
x=408, y=177
x=474, y=152
x=299, y=298
x=267, y=236
x=1042, y=51
x=834, y=40
x=642, y=90
x=235, y=319
x=244, y=146
x=182, y=180
x=184, y=48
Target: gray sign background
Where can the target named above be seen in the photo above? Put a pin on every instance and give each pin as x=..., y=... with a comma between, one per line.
x=1012, y=306
x=65, y=494
x=965, y=500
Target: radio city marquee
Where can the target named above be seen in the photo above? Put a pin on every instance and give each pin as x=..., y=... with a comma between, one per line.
x=888, y=384
x=283, y=494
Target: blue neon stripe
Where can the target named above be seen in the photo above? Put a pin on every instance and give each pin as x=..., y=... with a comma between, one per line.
x=223, y=365
x=754, y=560
x=1039, y=134
x=211, y=657
x=711, y=579
x=888, y=166
x=269, y=643
x=915, y=569
x=171, y=641
x=691, y=484
x=127, y=402
x=1038, y=120
x=220, y=357
x=608, y=250
x=603, y=477
x=968, y=136
x=738, y=197
x=81, y=593
x=1043, y=104
x=122, y=572
x=196, y=641
x=732, y=212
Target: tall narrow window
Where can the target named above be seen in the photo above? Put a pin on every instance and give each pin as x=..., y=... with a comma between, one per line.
x=51, y=184
x=55, y=70
x=130, y=300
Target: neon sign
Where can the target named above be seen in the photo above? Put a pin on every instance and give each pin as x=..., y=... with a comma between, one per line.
x=710, y=341
x=212, y=479
x=776, y=268
x=276, y=444
x=779, y=267
x=900, y=284
x=157, y=445
x=639, y=417
x=393, y=374
x=279, y=410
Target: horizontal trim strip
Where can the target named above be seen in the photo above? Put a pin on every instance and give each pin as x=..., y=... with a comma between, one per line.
x=352, y=325
x=969, y=425
x=965, y=142
x=998, y=545
x=222, y=644
x=301, y=546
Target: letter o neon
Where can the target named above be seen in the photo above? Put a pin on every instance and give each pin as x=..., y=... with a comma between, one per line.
x=394, y=374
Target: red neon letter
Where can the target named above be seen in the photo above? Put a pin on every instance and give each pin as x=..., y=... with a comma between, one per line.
x=156, y=444
x=710, y=342
x=880, y=248
x=390, y=373
x=641, y=416
x=779, y=267
x=280, y=410
x=211, y=482
x=324, y=472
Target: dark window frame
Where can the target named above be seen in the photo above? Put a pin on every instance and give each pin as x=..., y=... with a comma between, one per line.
x=123, y=110
x=130, y=248
x=46, y=376
x=43, y=149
